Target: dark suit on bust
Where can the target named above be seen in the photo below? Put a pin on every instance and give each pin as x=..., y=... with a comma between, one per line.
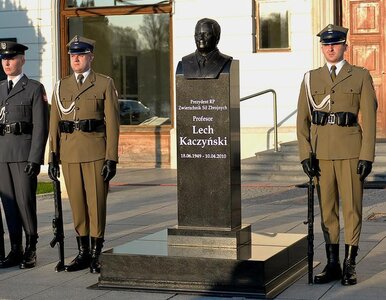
x=214, y=64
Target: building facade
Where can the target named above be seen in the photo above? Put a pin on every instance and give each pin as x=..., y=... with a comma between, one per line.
x=139, y=44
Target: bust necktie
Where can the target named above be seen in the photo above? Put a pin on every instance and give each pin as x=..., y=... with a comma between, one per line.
x=80, y=80
x=333, y=73
x=10, y=86
x=201, y=62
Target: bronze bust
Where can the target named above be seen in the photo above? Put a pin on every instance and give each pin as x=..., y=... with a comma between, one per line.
x=207, y=61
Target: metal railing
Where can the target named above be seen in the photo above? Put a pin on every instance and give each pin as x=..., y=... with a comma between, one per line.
x=275, y=135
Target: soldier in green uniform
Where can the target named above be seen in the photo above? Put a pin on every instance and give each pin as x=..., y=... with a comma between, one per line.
x=327, y=124
x=84, y=132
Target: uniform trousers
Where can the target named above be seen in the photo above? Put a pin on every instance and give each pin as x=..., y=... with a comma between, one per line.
x=87, y=193
x=18, y=195
x=339, y=179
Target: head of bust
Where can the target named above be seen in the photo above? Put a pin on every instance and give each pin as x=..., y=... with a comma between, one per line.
x=207, y=35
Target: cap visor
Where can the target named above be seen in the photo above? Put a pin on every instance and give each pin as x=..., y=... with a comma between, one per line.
x=332, y=42
x=8, y=55
x=79, y=51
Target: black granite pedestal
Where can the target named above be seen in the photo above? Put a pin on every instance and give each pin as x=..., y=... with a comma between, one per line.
x=209, y=251
x=262, y=269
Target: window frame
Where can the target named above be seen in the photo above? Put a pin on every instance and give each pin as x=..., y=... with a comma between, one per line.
x=256, y=27
x=67, y=13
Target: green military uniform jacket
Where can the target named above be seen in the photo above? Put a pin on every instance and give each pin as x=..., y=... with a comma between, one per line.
x=96, y=99
x=352, y=91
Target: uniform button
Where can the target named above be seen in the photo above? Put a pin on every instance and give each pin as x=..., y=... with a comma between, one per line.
x=77, y=108
x=333, y=91
x=6, y=103
x=332, y=102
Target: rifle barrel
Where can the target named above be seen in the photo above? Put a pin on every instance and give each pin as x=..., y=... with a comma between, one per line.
x=2, y=249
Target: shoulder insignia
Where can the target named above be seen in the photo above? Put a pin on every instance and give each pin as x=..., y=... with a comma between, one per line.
x=104, y=76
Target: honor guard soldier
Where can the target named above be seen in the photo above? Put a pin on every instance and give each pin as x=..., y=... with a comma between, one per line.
x=23, y=137
x=84, y=132
x=327, y=124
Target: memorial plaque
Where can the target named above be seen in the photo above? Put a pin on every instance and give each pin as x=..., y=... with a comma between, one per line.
x=208, y=150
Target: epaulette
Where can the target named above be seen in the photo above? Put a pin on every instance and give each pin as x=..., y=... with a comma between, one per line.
x=103, y=75
x=360, y=67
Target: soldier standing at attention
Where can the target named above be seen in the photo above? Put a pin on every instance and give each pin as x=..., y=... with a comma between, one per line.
x=84, y=132
x=327, y=124
x=23, y=137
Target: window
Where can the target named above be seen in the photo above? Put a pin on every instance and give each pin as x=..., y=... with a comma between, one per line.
x=107, y=3
x=134, y=50
x=272, y=25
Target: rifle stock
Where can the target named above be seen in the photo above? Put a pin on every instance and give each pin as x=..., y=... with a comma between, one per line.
x=57, y=222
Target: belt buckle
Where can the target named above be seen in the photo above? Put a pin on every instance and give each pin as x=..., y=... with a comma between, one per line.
x=76, y=125
x=331, y=119
x=7, y=128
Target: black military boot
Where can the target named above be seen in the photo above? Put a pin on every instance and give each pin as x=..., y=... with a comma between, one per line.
x=15, y=255
x=29, y=258
x=82, y=260
x=96, y=249
x=332, y=270
x=349, y=275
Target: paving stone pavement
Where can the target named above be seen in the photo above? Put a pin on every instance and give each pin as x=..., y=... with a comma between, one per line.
x=144, y=201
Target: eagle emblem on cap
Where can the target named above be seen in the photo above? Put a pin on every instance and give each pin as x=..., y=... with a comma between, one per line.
x=76, y=39
x=3, y=46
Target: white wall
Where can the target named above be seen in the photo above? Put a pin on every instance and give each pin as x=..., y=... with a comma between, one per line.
x=31, y=22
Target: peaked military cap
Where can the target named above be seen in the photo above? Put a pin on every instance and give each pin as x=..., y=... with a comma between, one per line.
x=333, y=34
x=9, y=49
x=80, y=45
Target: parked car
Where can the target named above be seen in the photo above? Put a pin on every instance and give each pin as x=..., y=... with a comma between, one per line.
x=133, y=112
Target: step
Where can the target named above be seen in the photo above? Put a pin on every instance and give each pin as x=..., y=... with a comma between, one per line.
x=294, y=177
x=274, y=156
x=266, y=176
x=266, y=165
x=284, y=165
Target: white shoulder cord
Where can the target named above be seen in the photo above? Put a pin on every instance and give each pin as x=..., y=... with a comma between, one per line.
x=2, y=114
x=326, y=100
x=61, y=108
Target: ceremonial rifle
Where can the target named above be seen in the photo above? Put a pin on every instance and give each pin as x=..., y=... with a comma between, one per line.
x=57, y=222
x=310, y=220
x=2, y=250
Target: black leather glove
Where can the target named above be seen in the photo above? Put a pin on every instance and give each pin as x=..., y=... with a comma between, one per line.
x=309, y=169
x=109, y=170
x=364, y=168
x=53, y=167
x=32, y=169
x=53, y=171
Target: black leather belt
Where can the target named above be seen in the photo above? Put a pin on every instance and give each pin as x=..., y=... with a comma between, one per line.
x=339, y=118
x=89, y=125
x=16, y=128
